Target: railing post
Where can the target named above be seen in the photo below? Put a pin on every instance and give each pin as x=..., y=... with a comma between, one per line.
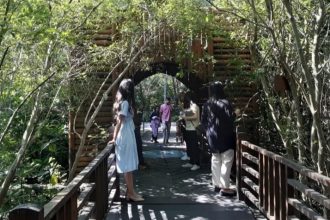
x=261, y=179
x=283, y=194
x=101, y=190
x=239, y=168
x=271, y=186
x=117, y=183
x=27, y=212
x=277, y=192
x=266, y=183
x=289, y=191
x=71, y=207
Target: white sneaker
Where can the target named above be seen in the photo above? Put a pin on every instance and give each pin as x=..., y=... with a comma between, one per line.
x=195, y=167
x=188, y=165
x=185, y=157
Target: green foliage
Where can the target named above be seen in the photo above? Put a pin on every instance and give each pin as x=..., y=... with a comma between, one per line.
x=40, y=38
x=150, y=93
x=292, y=45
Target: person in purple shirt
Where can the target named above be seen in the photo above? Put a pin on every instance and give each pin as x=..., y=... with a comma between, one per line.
x=165, y=116
x=154, y=124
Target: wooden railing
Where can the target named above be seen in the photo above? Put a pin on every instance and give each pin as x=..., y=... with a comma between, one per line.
x=280, y=188
x=89, y=194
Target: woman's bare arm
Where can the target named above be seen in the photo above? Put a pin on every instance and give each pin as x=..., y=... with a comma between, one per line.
x=120, y=120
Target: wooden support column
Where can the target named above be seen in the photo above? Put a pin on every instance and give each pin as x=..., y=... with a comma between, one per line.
x=266, y=183
x=100, y=195
x=277, y=192
x=289, y=192
x=261, y=179
x=283, y=194
x=239, y=168
x=271, y=186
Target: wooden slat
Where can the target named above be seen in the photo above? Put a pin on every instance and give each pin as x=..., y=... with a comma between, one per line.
x=292, y=217
x=111, y=160
x=251, y=197
x=310, y=213
x=86, y=191
x=112, y=195
x=112, y=171
x=318, y=197
x=250, y=183
x=250, y=170
x=251, y=158
x=86, y=211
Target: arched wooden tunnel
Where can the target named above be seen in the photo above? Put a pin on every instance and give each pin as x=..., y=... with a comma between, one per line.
x=239, y=90
x=195, y=84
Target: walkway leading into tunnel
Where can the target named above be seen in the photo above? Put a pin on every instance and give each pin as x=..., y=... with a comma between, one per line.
x=173, y=192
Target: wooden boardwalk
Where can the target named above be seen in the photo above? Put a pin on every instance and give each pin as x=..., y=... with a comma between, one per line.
x=173, y=192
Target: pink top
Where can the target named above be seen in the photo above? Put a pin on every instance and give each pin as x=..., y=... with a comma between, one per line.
x=165, y=112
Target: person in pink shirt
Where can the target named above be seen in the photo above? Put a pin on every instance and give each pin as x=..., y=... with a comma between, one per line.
x=165, y=115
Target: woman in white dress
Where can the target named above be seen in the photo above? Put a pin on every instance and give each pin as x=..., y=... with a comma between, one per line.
x=124, y=138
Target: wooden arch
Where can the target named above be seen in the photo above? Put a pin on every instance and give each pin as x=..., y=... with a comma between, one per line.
x=190, y=80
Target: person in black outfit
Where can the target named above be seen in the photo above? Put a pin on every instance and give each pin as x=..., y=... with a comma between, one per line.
x=218, y=121
x=191, y=115
x=137, y=123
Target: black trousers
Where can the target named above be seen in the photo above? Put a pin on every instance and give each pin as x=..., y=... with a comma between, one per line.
x=193, y=151
x=139, y=144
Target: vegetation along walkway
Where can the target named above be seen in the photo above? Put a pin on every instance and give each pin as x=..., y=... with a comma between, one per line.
x=173, y=192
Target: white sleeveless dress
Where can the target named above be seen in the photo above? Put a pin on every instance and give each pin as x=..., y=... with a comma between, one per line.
x=125, y=149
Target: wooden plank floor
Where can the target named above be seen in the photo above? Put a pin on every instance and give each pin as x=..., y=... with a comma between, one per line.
x=173, y=192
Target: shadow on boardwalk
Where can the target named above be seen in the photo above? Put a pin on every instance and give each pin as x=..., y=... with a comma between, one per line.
x=173, y=192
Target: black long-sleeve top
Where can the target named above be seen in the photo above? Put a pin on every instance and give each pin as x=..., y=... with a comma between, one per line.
x=218, y=121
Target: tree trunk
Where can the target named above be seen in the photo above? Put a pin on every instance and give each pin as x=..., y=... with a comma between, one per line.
x=24, y=145
x=285, y=141
x=299, y=121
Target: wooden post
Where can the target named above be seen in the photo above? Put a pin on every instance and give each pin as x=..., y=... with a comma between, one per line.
x=290, y=191
x=271, y=186
x=71, y=207
x=261, y=179
x=101, y=195
x=27, y=212
x=266, y=183
x=239, y=168
x=283, y=194
x=277, y=192
x=117, y=183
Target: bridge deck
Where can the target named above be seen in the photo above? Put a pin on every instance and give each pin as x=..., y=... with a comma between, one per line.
x=173, y=192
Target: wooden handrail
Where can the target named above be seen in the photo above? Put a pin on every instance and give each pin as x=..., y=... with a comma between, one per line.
x=282, y=189
x=73, y=201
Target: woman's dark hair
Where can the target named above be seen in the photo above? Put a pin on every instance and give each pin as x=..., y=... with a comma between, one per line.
x=125, y=92
x=216, y=91
x=187, y=98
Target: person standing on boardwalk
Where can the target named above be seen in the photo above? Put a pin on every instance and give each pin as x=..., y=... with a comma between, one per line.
x=218, y=120
x=139, y=144
x=165, y=116
x=124, y=137
x=191, y=115
x=154, y=124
